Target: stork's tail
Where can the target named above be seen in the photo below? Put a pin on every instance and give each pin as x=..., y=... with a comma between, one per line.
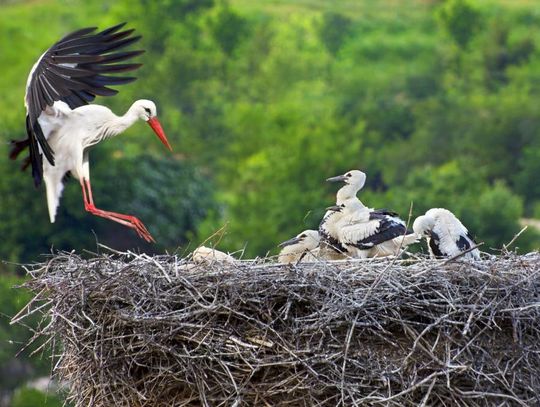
x=54, y=192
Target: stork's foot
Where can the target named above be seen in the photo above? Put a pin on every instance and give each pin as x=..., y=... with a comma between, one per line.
x=139, y=227
x=126, y=220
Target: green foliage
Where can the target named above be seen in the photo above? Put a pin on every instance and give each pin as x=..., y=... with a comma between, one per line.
x=16, y=370
x=334, y=30
x=461, y=19
x=268, y=100
x=26, y=397
x=529, y=169
x=499, y=54
x=228, y=28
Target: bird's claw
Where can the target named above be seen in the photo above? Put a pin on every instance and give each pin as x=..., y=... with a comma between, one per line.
x=141, y=229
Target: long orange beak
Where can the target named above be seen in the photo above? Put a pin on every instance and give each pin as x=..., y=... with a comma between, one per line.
x=156, y=126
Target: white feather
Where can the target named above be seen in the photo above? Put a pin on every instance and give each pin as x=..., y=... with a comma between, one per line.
x=449, y=230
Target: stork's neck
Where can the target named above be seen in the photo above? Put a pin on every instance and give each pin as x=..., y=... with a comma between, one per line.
x=345, y=192
x=120, y=123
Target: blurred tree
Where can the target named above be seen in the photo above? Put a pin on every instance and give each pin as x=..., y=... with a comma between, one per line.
x=499, y=54
x=26, y=397
x=16, y=370
x=333, y=30
x=461, y=20
x=228, y=28
x=529, y=170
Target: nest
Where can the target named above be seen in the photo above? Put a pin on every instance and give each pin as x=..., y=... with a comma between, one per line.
x=133, y=330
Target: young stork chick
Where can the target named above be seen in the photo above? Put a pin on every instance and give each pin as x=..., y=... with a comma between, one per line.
x=330, y=246
x=304, y=246
x=366, y=232
x=208, y=255
x=445, y=234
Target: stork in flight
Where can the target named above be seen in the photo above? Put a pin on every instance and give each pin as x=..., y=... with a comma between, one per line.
x=60, y=123
x=445, y=234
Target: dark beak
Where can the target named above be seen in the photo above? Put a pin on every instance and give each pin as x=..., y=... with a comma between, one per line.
x=339, y=178
x=289, y=242
x=335, y=208
x=156, y=126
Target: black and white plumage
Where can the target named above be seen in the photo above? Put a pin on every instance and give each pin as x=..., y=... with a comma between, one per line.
x=445, y=234
x=331, y=248
x=366, y=232
x=60, y=123
x=304, y=246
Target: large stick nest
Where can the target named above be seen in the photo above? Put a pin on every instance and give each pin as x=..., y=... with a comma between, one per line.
x=133, y=330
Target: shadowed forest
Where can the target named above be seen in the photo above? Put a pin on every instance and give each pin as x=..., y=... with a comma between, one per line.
x=437, y=101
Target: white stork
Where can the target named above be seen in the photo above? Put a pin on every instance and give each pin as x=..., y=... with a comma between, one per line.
x=445, y=234
x=331, y=248
x=365, y=232
x=60, y=123
x=304, y=246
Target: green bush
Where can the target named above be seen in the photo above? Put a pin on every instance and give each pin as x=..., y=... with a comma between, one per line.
x=26, y=397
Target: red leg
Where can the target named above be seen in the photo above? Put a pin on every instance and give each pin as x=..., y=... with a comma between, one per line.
x=126, y=220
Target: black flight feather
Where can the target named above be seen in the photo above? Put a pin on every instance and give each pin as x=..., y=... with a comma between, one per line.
x=72, y=71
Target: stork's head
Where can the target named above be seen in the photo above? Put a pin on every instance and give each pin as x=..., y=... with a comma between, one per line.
x=306, y=240
x=146, y=110
x=354, y=177
x=423, y=225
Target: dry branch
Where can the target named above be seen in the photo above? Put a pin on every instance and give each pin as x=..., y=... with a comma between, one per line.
x=142, y=331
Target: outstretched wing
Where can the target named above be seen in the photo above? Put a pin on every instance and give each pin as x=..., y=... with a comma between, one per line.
x=74, y=70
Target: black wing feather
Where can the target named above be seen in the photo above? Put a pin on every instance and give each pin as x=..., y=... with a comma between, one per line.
x=382, y=212
x=387, y=230
x=463, y=244
x=72, y=70
x=434, y=244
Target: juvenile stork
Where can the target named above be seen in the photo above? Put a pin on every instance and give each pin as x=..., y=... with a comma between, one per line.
x=331, y=248
x=304, y=246
x=445, y=234
x=365, y=232
x=207, y=255
x=60, y=123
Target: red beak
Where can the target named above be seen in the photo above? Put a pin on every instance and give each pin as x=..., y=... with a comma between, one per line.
x=156, y=126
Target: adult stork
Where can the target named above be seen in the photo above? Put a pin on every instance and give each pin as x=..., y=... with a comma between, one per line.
x=304, y=246
x=365, y=232
x=60, y=123
x=445, y=234
x=331, y=248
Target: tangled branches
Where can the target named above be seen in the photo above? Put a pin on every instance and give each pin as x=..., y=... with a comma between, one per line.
x=151, y=331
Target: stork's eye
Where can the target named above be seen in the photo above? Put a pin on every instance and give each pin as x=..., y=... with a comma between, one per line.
x=302, y=236
x=349, y=174
x=147, y=111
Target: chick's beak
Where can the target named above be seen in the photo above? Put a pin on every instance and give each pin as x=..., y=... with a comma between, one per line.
x=339, y=178
x=156, y=126
x=289, y=242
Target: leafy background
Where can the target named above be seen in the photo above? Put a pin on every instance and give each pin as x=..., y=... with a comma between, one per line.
x=437, y=101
